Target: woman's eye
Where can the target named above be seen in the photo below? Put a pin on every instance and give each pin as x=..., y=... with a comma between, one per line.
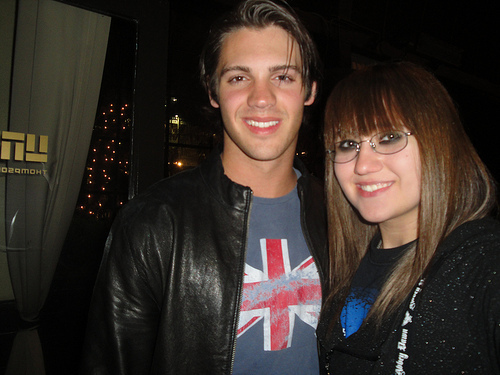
x=347, y=145
x=390, y=137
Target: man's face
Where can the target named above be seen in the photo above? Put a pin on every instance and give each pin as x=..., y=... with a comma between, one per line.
x=260, y=94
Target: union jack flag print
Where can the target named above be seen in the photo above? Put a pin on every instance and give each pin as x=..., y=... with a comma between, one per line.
x=278, y=294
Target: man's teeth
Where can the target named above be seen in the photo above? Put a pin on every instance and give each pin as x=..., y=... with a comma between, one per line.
x=372, y=188
x=260, y=124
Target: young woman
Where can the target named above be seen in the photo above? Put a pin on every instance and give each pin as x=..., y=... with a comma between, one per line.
x=415, y=259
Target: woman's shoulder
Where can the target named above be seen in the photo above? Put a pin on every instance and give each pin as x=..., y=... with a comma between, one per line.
x=471, y=251
x=475, y=235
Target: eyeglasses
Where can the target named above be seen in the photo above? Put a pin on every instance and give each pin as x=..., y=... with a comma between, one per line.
x=385, y=143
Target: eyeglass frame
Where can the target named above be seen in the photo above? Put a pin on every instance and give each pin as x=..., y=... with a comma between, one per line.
x=372, y=145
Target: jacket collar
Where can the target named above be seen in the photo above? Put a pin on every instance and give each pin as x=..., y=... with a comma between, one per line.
x=229, y=192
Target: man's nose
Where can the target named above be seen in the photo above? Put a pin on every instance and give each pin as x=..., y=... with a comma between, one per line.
x=261, y=95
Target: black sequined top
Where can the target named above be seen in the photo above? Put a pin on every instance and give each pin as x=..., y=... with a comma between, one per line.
x=450, y=323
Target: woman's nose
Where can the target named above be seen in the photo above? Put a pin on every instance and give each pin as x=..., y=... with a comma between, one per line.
x=367, y=161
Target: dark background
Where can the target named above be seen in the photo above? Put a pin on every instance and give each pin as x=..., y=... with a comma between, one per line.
x=457, y=40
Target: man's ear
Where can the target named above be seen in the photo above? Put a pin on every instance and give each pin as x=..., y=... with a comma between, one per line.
x=312, y=97
x=213, y=102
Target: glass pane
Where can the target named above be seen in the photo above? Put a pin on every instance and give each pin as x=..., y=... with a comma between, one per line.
x=103, y=191
x=190, y=135
x=7, y=19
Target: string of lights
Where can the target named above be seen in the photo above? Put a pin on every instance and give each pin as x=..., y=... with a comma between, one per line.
x=105, y=182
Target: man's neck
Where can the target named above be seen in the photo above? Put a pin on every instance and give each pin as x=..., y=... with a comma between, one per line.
x=267, y=179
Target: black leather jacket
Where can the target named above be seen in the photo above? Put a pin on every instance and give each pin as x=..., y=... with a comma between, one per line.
x=168, y=292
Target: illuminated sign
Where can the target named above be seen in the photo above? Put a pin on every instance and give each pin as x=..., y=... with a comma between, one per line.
x=25, y=150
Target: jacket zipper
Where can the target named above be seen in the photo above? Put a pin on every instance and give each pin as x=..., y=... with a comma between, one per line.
x=240, y=290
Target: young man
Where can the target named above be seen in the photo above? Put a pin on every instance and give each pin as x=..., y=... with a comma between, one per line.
x=217, y=270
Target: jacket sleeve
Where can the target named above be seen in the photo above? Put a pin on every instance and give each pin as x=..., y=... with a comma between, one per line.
x=124, y=312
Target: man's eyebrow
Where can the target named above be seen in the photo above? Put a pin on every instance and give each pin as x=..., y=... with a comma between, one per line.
x=236, y=68
x=285, y=68
x=272, y=69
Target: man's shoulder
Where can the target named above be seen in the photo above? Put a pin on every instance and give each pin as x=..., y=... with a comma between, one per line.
x=177, y=184
x=312, y=187
x=165, y=195
x=308, y=180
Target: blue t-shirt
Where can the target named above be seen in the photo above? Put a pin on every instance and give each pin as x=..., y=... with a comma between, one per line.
x=281, y=293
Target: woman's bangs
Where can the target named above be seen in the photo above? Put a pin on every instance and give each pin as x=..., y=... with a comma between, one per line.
x=366, y=117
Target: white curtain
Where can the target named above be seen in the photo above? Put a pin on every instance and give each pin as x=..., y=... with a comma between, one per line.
x=58, y=63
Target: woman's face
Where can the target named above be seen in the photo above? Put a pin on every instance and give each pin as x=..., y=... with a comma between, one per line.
x=385, y=189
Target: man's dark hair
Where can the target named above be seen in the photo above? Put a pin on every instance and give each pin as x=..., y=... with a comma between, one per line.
x=258, y=14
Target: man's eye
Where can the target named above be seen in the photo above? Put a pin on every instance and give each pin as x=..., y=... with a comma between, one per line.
x=285, y=78
x=237, y=79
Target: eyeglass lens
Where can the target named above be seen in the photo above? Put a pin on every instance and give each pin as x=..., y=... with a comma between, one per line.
x=384, y=143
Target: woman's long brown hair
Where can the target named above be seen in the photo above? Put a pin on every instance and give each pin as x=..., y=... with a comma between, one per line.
x=456, y=186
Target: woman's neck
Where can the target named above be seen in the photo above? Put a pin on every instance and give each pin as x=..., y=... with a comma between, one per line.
x=397, y=235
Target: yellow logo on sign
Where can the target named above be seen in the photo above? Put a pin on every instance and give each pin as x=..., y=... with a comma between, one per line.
x=24, y=147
